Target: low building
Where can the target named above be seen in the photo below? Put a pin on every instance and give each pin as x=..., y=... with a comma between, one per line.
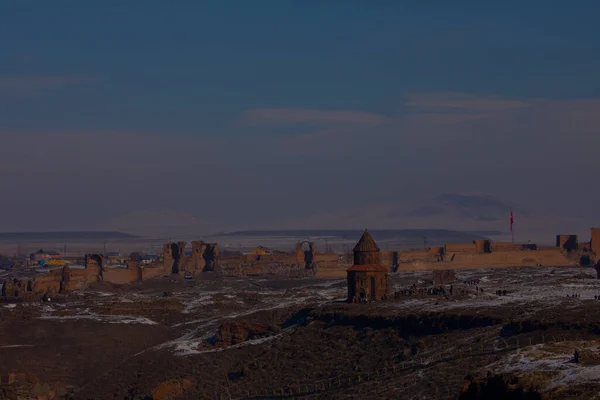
x=148, y=259
x=261, y=251
x=367, y=279
x=44, y=255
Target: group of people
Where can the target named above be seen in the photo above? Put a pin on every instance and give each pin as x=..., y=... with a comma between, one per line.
x=363, y=298
x=423, y=291
x=501, y=292
x=434, y=291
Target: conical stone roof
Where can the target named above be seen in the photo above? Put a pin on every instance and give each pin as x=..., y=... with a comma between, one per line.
x=366, y=244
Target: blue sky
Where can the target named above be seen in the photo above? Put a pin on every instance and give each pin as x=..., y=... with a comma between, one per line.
x=222, y=77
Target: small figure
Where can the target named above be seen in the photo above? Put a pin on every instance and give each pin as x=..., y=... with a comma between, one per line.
x=576, y=357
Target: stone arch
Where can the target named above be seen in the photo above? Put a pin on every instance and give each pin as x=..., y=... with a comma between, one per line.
x=176, y=254
x=306, y=245
x=97, y=258
x=307, y=251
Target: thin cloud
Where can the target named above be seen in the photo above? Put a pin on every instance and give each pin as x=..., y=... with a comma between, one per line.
x=462, y=102
x=444, y=119
x=33, y=84
x=290, y=116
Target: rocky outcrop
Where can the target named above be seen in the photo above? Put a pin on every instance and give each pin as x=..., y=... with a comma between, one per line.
x=172, y=389
x=18, y=385
x=496, y=387
x=233, y=332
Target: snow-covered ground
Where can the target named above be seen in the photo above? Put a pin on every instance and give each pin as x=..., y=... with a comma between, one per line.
x=553, y=361
x=545, y=286
x=213, y=306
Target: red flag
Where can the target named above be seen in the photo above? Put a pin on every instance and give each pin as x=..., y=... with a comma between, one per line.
x=512, y=221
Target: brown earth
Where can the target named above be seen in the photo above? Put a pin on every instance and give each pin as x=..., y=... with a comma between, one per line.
x=275, y=338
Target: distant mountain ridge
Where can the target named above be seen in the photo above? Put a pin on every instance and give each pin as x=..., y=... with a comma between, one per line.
x=158, y=223
x=67, y=235
x=473, y=206
x=381, y=234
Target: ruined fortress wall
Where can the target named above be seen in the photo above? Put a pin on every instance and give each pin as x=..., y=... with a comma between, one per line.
x=419, y=260
x=81, y=278
x=410, y=255
x=16, y=287
x=86, y=276
x=152, y=271
x=272, y=269
x=122, y=276
x=461, y=248
x=389, y=258
x=55, y=281
x=392, y=258
x=595, y=241
x=197, y=262
x=230, y=269
x=287, y=258
x=48, y=283
x=230, y=259
x=567, y=242
x=325, y=259
x=541, y=257
x=483, y=246
x=505, y=246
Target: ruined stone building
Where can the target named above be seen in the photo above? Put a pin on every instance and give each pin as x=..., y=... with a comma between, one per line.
x=367, y=279
x=567, y=242
x=595, y=241
x=204, y=257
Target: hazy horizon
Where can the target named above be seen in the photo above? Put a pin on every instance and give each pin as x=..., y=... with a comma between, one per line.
x=281, y=114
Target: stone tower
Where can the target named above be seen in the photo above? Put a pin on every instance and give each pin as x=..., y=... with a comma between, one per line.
x=367, y=279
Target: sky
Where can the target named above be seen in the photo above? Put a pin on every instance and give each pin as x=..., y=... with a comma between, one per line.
x=253, y=113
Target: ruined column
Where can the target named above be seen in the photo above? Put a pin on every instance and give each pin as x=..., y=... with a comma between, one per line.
x=198, y=249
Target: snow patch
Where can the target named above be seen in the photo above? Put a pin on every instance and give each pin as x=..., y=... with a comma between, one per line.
x=111, y=319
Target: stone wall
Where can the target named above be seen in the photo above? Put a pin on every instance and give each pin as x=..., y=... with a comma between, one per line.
x=505, y=246
x=595, y=241
x=567, y=242
x=483, y=246
x=326, y=260
x=460, y=248
x=153, y=271
x=540, y=257
x=122, y=276
x=48, y=283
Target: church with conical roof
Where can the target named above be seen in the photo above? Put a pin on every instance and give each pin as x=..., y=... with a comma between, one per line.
x=367, y=279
